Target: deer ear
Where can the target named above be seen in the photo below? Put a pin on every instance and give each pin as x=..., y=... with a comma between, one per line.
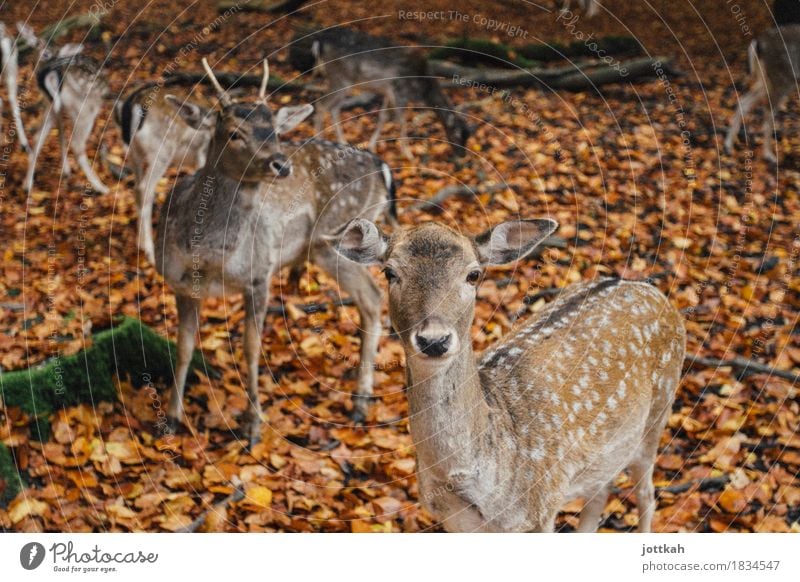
x=513, y=240
x=291, y=116
x=362, y=242
x=190, y=112
x=27, y=34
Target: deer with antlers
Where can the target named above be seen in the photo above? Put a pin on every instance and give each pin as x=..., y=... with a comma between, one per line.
x=158, y=137
x=255, y=206
x=9, y=66
x=350, y=59
x=557, y=410
x=74, y=86
x=774, y=58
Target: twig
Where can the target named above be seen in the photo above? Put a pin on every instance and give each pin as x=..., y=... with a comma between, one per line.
x=237, y=495
x=433, y=204
x=310, y=308
x=702, y=485
x=746, y=367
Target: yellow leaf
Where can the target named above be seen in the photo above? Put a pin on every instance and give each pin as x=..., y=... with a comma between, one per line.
x=26, y=507
x=261, y=496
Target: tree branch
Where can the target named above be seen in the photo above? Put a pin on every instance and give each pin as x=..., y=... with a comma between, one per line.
x=746, y=367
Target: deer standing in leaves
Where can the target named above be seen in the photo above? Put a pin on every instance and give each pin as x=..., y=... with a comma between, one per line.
x=256, y=206
x=556, y=411
x=774, y=58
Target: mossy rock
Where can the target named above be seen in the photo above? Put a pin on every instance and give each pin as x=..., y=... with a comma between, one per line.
x=11, y=482
x=615, y=46
x=544, y=53
x=128, y=349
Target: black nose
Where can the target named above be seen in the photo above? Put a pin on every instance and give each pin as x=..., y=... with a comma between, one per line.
x=433, y=347
x=281, y=168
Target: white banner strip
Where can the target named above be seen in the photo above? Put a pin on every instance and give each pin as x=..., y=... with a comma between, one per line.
x=399, y=557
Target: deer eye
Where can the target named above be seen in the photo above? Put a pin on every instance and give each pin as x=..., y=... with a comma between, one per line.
x=474, y=277
x=235, y=136
x=390, y=275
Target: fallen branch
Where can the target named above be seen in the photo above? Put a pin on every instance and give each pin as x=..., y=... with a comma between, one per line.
x=282, y=6
x=237, y=495
x=573, y=77
x=434, y=203
x=232, y=81
x=746, y=367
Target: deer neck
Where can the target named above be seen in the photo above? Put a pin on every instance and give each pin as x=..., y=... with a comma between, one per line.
x=449, y=416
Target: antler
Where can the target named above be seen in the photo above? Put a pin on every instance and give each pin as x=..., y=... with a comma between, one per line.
x=224, y=98
x=262, y=92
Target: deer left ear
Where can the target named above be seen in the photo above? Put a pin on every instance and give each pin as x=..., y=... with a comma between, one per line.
x=362, y=242
x=513, y=240
x=291, y=116
x=192, y=113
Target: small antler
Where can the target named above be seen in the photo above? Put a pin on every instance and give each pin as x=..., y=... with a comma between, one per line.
x=262, y=92
x=222, y=94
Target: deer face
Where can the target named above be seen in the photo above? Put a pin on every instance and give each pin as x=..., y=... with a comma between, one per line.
x=433, y=272
x=248, y=136
x=245, y=142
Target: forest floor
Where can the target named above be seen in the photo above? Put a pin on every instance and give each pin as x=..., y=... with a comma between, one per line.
x=635, y=175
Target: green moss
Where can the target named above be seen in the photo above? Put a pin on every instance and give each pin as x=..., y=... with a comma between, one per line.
x=544, y=52
x=128, y=349
x=10, y=480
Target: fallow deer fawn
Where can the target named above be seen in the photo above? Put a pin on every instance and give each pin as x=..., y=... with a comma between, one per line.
x=556, y=411
x=9, y=65
x=75, y=87
x=774, y=58
x=158, y=137
x=252, y=209
x=349, y=60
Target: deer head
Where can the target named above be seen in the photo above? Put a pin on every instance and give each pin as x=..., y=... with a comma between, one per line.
x=433, y=272
x=244, y=144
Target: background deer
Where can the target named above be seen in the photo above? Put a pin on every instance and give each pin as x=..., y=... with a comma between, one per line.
x=774, y=58
x=557, y=410
x=589, y=7
x=75, y=88
x=157, y=137
x=256, y=206
x=9, y=65
x=349, y=60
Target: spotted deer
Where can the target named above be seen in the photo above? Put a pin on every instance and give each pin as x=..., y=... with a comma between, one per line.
x=557, y=410
x=158, y=137
x=349, y=60
x=774, y=58
x=9, y=66
x=256, y=206
x=75, y=88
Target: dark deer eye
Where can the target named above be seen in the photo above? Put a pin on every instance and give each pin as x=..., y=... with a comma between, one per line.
x=235, y=136
x=390, y=275
x=474, y=277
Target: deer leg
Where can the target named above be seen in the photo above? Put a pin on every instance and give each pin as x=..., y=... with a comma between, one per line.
x=62, y=142
x=41, y=135
x=11, y=73
x=373, y=141
x=746, y=104
x=642, y=476
x=255, y=302
x=82, y=128
x=400, y=116
x=188, y=314
x=593, y=510
x=145, y=197
x=768, y=129
x=356, y=281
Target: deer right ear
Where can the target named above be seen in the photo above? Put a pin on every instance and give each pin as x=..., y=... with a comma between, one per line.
x=362, y=242
x=513, y=240
x=190, y=112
